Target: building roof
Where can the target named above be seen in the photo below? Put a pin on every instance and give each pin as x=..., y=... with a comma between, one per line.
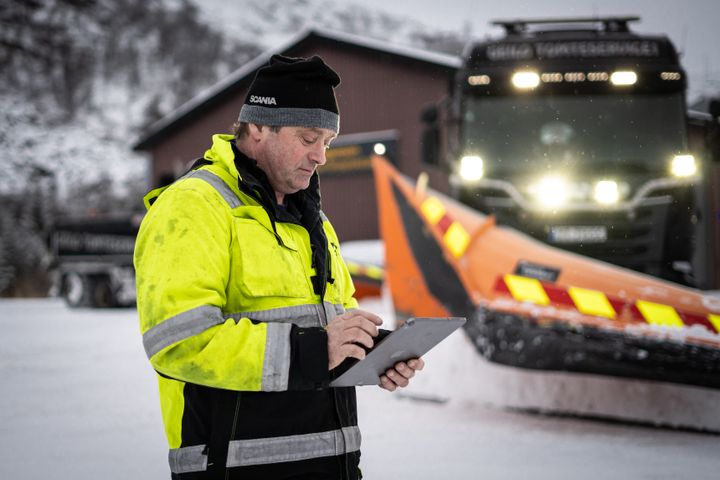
x=243, y=75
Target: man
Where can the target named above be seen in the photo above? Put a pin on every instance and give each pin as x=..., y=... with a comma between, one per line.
x=245, y=303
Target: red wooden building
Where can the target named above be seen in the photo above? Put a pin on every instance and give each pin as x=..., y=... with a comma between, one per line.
x=383, y=91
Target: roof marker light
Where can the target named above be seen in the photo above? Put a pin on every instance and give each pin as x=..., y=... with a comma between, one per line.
x=670, y=76
x=551, y=77
x=525, y=80
x=623, y=77
x=478, y=80
x=574, y=77
x=598, y=76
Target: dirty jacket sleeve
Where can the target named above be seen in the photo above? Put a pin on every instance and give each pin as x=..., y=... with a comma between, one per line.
x=182, y=261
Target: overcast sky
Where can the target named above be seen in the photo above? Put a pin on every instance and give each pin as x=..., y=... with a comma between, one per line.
x=693, y=25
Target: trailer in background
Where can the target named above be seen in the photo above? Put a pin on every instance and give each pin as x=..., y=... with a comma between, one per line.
x=93, y=260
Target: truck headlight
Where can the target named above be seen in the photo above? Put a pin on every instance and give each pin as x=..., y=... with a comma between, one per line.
x=471, y=168
x=551, y=191
x=606, y=192
x=525, y=80
x=683, y=166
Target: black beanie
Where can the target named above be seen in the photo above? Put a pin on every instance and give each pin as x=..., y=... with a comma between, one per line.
x=295, y=92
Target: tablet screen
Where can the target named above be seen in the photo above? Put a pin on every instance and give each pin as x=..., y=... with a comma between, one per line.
x=411, y=340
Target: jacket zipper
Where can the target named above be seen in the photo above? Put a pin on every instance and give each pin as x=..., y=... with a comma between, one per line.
x=344, y=464
x=234, y=429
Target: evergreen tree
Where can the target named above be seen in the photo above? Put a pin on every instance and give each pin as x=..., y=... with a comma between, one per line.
x=7, y=271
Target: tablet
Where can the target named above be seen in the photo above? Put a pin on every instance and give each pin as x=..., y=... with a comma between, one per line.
x=413, y=339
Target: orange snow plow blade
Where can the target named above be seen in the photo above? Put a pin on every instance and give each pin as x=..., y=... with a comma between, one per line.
x=533, y=306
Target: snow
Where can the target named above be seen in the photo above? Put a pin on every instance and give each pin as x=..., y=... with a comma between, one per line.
x=88, y=149
x=80, y=401
x=364, y=251
x=272, y=22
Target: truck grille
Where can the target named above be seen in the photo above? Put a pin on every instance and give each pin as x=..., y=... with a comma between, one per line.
x=633, y=239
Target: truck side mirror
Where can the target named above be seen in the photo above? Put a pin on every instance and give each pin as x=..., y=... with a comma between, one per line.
x=429, y=114
x=714, y=108
x=430, y=142
x=712, y=140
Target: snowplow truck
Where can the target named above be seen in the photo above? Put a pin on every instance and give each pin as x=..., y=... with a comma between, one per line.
x=575, y=132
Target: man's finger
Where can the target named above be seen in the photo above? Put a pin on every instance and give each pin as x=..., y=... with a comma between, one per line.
x=357, y=335
x=387, y=384
x=416, y=363
x=357, y=322
x=363, y=314
x=352, y=350
x=403, y=369
x=397, y=379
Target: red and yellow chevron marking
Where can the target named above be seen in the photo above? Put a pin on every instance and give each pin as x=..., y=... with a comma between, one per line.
x=598, y=304
x=365, y=270
x=454, y=235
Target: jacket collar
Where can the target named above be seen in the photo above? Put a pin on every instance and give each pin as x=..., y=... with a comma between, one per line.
x=304, y=205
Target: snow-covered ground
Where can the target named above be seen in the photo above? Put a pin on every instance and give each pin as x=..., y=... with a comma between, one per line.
x=79, y=401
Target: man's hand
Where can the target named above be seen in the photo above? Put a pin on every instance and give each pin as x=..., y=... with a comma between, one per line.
x=347, y=332
x=400, y=374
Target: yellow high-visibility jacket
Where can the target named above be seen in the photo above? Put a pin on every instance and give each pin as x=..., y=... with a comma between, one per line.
x=233, y=293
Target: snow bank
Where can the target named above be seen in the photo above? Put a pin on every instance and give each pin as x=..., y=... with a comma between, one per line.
x=79, y=400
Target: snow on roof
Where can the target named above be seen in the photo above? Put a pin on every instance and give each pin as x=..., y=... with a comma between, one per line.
x=244, y=72
x=438, y=58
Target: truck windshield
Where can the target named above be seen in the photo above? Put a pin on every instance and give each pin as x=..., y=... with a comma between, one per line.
x=601, y=132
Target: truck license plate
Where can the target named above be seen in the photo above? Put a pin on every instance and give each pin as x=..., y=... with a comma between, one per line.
x=578, y=234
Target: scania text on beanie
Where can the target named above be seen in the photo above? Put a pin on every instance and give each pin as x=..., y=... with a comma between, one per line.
x=294, y=92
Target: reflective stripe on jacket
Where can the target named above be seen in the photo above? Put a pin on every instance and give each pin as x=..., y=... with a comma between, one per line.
x=233, y=326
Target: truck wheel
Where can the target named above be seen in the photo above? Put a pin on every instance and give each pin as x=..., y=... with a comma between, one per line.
x=76, y=289
x=102, y=295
